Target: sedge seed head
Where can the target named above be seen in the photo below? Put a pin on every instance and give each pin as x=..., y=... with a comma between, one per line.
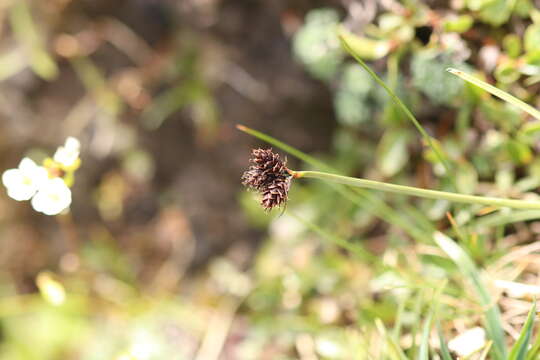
x=269, y=176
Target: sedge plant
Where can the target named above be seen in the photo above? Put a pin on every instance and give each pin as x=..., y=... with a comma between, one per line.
x=269, y=175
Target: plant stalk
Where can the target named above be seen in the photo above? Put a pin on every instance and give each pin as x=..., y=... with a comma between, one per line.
x=413, y=191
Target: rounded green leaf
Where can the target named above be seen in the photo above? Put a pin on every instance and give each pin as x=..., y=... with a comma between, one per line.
x=459, y=24
x=512, y=45
x=466, y=178
x=366, y=48
x=392, y=154
x=507, y=72
x=532, y=38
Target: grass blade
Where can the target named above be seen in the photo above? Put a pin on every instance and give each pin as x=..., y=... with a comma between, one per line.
x=445, y=353
x=423, y=354
x=398, y=322
x=485, y=352
x=395, y=350
x=469, y=270
x=532, y=354
x=25, y=31
x=496, y=92
x=519, y=350
x=415, y=328
x=95, y=82
x=342, y=34
x=354, y=248
x=502, y=218
x=285, y=147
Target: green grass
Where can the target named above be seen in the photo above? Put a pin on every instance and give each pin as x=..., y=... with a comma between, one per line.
x=465, y=270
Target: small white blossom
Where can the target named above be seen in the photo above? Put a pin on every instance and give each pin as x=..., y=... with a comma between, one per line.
x=68, y=154
x=23, y=182
x=53, y=197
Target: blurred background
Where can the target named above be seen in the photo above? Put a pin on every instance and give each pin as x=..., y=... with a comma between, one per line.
x=164, y=255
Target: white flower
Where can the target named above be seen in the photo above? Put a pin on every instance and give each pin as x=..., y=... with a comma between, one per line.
x=53, y=197
x=68, y=154
x=23, y=182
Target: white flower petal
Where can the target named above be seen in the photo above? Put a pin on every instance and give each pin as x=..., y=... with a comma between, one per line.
x=30, y=170
x=27, y=165
x=68, y=154
x=38, y=202
x=12, y=177
x=21, y=193
x=72, y=144
x=52, y=198
x=40, y=175
x=23, y=182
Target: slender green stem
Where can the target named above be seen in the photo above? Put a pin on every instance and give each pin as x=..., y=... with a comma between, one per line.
x=401, y=105
x=413, y=191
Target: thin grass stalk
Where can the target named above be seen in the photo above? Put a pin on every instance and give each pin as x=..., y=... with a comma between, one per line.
x=401, y=105
x=497, y=92
x=418, y=192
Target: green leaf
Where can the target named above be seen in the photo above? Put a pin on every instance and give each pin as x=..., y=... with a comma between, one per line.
x=428, y=75
x=531, y=128
x=469, y=271
x=485, y=352
x=497, y=92
x=395, y=350
x=532, y=58
x=466, y=178
x=423, y=354
x=95, y=82
x=496, y=12
x=365, y=48
x=392, y=154
x=43, y=64
x=476, y=5
x=519, y=152
x=504, y=218
x=315, y=43
x=532, y=38
x=532, y=353
x=459, y=24
x=512, y=45
x=351, y=101
x=445, y=353
x=523, y=8
x=519, y=350
x=25, y=31
x=507, y=71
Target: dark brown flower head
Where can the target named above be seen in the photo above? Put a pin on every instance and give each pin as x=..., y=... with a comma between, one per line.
x=268, y=175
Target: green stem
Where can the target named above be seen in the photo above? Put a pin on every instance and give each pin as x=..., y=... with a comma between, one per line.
x=413, y=191
x=429, y=140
